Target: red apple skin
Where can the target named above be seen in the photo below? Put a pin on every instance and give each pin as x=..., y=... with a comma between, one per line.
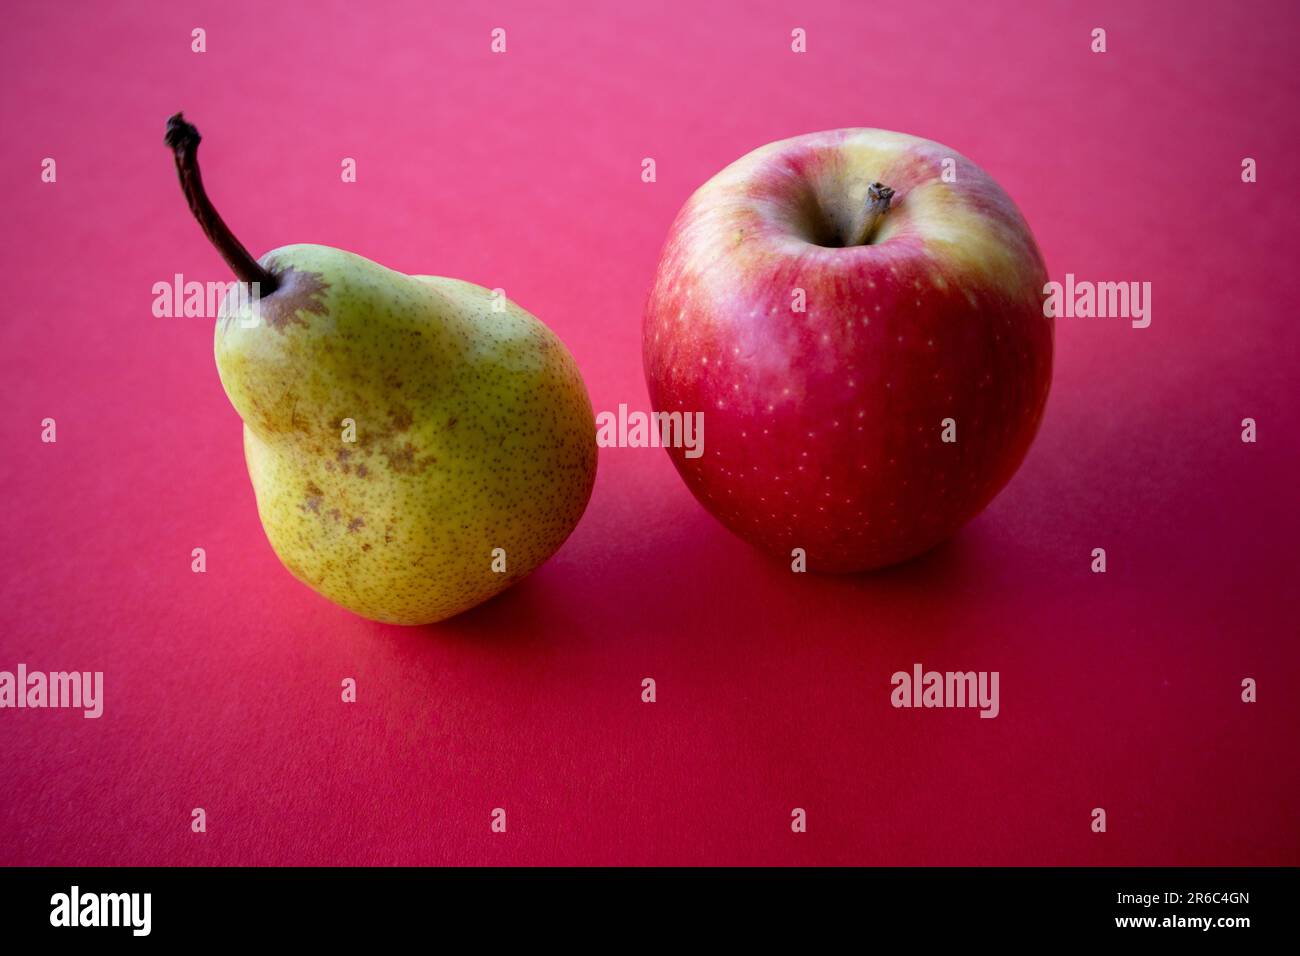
x=823, y=428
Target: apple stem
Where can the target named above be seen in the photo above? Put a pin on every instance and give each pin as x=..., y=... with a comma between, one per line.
x=183, y=140
x=878, y=197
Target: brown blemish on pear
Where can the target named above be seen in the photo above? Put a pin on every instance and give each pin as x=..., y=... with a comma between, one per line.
x=401, y=418
x=297, y=296
x=300, y=294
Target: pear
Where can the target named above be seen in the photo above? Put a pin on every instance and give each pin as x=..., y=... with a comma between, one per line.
x=416, y=444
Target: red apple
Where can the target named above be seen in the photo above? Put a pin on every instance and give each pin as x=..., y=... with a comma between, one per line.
x=871, y=425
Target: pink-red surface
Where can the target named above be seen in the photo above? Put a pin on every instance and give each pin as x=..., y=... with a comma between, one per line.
x=1119, y=690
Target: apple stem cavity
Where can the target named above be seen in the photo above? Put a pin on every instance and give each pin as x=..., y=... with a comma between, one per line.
x=878, y=197
x=183, y=140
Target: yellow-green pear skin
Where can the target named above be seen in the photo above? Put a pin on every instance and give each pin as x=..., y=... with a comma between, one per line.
x=416, y=444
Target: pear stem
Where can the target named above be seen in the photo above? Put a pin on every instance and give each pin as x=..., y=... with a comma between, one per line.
x=183, y=140
x=878, y=197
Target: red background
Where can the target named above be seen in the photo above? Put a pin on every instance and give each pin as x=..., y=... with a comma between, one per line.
x=522, y=171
